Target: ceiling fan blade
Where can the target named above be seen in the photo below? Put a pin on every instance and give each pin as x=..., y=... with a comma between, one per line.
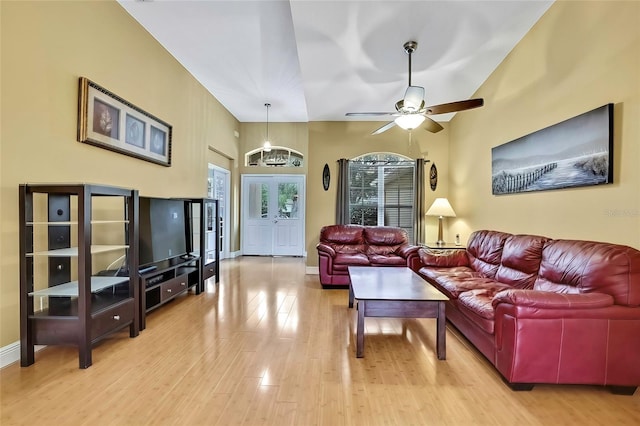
x=413, y=98
x=365, y=114
x=384, y=128
x=454, y=106
x=431, y=125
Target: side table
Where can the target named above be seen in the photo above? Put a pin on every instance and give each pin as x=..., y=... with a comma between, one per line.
x=443, y=246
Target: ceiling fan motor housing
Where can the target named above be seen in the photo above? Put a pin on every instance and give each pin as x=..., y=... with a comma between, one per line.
x=410, y=47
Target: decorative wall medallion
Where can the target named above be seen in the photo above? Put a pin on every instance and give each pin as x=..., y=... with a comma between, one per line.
x=326, y=177
x=433, y=177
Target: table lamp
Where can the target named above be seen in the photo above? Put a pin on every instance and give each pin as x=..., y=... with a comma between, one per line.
x=441, y=208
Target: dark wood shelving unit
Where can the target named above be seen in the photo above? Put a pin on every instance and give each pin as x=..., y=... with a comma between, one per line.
x=204, y=239
x=65, y=302
x=209, y=237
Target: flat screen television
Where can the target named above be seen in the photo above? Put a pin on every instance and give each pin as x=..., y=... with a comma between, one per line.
x=163, y=232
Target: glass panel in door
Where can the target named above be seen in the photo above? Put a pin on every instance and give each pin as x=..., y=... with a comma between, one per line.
x=288, y=227
x=257, y=219
x=258, y=201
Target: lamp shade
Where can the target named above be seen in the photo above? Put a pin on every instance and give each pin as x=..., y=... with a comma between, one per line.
x=409, y=121
x=441, y=207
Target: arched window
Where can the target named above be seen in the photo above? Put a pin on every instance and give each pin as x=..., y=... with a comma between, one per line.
x=381, y=190
x=277, y=156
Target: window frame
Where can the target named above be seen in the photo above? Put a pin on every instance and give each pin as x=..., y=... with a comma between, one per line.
x=386, y=164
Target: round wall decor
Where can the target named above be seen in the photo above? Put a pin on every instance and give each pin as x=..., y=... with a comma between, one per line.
x=433, y=177
x=326, y=177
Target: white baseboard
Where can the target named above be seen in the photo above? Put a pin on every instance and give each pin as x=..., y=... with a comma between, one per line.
x=312, y=270
x=11, y=353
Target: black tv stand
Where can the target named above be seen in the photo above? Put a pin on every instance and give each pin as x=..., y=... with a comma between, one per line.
x=145, y=269
x=169, y=278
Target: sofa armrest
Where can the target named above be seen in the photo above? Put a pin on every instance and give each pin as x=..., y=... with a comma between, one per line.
x=550, y=300
x=327, y=249
x=407, y=250
x=444, y=258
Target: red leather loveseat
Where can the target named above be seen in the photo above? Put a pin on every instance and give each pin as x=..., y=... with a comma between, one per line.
x=342, y=246
x=543, y=310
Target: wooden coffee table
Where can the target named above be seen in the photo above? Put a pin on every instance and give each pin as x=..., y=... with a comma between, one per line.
x=395, y=293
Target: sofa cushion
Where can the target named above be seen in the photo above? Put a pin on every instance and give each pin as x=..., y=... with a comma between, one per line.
x=570, y=266
x=443, y=258
x=477, y=304
x=520, y=260
x=342, y=234
x=385, y=236
x=382, y=250
x=351, y=259
x=549, y=300
x=387, y=260
x=384, y=240
x=485, y=250
x=452, y=283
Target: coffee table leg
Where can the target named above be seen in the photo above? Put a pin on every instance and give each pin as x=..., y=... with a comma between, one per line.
x=350, y=296
x=360, y=329
x=441, y=345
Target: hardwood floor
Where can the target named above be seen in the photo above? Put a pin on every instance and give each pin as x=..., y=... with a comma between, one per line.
x=268, y=346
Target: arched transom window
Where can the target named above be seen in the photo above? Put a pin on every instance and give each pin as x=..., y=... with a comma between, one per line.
x=277, y=156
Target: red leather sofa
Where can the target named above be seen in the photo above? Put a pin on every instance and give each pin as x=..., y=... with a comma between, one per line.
x=342, y=246
x=543, y=310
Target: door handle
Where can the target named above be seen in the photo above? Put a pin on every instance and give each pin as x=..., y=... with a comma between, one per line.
x=275, y=221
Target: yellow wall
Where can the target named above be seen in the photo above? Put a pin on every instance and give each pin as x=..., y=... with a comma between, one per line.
x=331, y=141
x=579, y=56
x=46, y=47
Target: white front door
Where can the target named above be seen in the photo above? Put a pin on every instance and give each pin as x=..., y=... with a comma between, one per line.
x=273, y=215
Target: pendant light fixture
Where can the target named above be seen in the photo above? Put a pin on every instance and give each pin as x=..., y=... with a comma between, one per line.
x=267, y=144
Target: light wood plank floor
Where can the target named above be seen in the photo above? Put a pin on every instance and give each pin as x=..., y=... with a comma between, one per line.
x=268, y=346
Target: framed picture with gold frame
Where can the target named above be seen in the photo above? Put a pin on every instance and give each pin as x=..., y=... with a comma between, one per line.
x=108, y=121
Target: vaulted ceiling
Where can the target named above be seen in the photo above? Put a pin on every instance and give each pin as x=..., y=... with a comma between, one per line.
x=317, y=60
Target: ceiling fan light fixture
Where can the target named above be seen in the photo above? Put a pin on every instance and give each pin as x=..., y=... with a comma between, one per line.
x=409, y=121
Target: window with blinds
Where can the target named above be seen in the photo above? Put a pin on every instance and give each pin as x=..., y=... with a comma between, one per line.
x=381, y=191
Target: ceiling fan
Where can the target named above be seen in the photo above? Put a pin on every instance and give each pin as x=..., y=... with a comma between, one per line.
x=411, y=113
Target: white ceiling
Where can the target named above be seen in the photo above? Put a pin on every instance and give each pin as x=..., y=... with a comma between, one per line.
x=317, y=60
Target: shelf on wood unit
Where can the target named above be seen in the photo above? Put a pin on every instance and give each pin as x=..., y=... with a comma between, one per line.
x=73, y=251
x=70, y=289
x=93, y=222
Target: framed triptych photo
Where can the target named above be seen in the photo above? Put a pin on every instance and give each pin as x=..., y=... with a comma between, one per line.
x=108, y=121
